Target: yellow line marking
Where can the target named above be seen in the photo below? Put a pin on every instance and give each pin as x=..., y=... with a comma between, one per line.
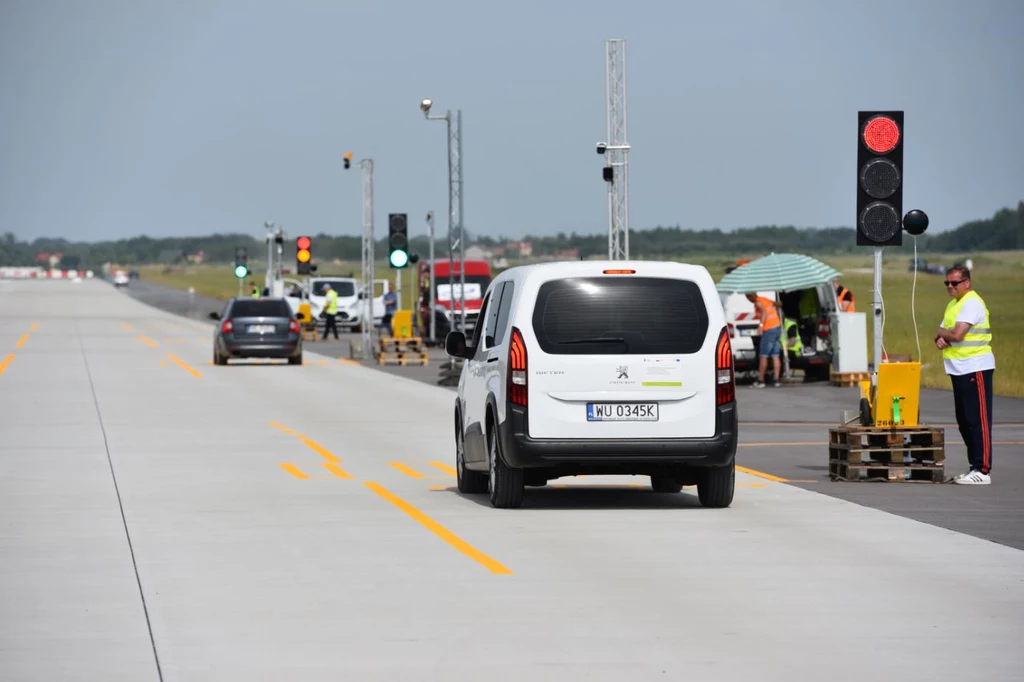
x=127, y=326
x=163, y=363
x=439, y=487
x=146, y=339
x=337, y=470
x=282, y=427
x=7, y=361
x=306, y=362
x=445, y=468
x=21, y=341
x=181, y=340
x=320, y=450
x=185, y=367
x=761, y=474
x=752, y=485
x=323, y=362
x=294, y=470
x=168, y=340
x=35, y=326
x=492, y=565
x=347, y=361
x=406, y=470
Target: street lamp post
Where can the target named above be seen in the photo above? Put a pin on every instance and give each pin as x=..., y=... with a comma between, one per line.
x=367, y=252
x=455, y=213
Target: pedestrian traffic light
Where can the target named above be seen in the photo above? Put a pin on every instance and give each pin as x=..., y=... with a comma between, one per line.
x=398, y=240
x=880, y=178
x=241, y=259
x=303, y=255
x=348, y=160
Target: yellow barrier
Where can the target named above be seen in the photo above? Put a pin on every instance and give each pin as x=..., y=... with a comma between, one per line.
x=305, y=314
x=895, y=402
x=401, y=324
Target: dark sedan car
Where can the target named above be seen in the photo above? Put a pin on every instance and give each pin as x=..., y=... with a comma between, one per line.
x=257, y=328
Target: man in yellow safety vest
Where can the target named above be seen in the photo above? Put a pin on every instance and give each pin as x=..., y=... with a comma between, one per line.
x=965, y=338
x=330, y=311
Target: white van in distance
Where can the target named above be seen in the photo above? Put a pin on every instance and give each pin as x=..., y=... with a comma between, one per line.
x=597, y=367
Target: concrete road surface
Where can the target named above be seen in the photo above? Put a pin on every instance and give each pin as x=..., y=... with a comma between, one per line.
x=165, y=519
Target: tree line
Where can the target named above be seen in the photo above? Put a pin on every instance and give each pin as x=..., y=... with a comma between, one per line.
x=1003, y=231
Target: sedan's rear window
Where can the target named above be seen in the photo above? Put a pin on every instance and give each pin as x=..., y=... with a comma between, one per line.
x=261, y=308
x=620, y=315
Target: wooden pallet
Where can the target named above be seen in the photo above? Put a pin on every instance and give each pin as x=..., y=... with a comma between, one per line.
x=894, y=454
x=403, y=358
x=847, y=378
x=392, y=344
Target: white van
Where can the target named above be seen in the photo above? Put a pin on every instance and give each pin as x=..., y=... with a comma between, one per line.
x=597, y=367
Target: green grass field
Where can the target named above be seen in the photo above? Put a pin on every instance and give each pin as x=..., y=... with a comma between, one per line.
x=997, y=277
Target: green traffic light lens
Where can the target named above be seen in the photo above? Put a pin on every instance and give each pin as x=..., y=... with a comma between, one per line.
x=399, y=259
x=241, y=271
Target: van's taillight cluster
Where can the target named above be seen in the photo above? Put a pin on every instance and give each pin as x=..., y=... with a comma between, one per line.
x=227, y=326
x=517, y=369
x=725, y=377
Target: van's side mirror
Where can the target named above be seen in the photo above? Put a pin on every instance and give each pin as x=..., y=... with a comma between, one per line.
x=455, y=345
x=214, y=316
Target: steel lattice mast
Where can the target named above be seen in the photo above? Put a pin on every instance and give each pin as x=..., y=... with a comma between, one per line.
x=617, y=150
x=367, y=257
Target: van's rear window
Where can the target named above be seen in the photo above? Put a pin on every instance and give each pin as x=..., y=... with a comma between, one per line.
x=616, y=315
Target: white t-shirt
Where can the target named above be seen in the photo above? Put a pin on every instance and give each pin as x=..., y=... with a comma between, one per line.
x=972, y=313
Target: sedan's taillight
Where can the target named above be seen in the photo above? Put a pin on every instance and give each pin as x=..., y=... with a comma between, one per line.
x=293, y=326
x=227, y=326
x=517, y=369
x=725, y=378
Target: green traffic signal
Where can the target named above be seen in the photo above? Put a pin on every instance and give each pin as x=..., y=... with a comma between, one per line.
x=241, y=271
x=399, y=259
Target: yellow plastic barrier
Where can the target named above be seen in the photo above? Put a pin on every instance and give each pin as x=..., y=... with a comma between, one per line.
x=401, y=324
x=895, y=402
x=305, y=314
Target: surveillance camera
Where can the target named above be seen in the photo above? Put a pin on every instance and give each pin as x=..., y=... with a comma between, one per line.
x=425, y=105
x=601, y=147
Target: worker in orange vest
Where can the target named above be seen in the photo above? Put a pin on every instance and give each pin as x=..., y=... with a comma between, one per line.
x=770, y=330
x=845, y=296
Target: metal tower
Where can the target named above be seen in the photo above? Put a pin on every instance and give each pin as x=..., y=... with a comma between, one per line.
x=367, y=258
x=617, y=170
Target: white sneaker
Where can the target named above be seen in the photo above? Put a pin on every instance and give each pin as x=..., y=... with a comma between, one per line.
x=973, y=478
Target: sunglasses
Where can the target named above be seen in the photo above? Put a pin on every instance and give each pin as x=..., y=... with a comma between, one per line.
x=954, y=284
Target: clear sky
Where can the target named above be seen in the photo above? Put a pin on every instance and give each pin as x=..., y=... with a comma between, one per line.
x=128, y=117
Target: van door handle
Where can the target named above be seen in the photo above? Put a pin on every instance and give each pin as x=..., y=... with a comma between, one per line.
x=493, y=358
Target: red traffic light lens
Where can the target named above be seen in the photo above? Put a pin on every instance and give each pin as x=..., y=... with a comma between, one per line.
x=881, y=135
x=302, y=243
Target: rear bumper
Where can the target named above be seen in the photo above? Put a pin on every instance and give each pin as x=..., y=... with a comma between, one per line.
x=617, y=456
x=281, y=349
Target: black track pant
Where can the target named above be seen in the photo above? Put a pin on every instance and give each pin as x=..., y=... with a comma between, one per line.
x=332, y=323
x=972, y=395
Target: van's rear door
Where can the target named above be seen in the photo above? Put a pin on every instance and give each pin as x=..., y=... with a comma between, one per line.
x=621, y=356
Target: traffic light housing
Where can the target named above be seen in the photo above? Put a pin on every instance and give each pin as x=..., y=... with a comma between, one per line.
x=303, y=255
x=241, y=262
x=398, y=240
x=879, y=178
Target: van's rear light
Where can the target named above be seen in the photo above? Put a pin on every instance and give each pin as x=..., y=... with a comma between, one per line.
x=227, y=326
x=619, y=272
x=823, y=330
x=517, y=369
x=725, y=376
x=293, y=326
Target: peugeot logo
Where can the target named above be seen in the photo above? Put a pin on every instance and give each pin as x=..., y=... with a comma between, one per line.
x=623, y=372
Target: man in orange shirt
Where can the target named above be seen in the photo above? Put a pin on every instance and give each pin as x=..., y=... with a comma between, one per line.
x=771, y=338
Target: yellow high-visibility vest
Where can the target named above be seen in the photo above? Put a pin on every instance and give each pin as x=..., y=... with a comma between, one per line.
x=978, y=338
x=332, y=302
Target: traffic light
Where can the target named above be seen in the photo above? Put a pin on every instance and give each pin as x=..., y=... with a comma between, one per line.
x=880, y=178
x=348, y=160
x=303, y=255
x=398, y=240
x=241, y=258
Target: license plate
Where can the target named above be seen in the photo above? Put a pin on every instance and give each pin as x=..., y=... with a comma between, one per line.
x=261, y=329
x=748, y=332
x=622, y=412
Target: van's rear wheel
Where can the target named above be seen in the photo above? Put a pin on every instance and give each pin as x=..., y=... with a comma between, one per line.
x=505, y=483
x=716, y=486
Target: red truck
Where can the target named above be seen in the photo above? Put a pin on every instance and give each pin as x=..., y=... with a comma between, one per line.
x=478, y=278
